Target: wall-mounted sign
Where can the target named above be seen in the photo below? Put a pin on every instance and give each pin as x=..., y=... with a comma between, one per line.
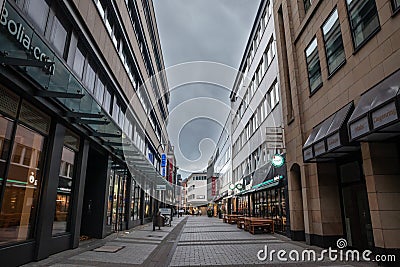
x=213, y=186
x=384, y=115
x=308, y=153
x=277, y=161
x=163, y=171
x=359, y=127
x=333, y=141
x=231, y=186
x=319, y=148
x=239, y=187
x=163, y=160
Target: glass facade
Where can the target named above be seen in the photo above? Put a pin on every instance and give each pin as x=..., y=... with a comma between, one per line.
x=271, y=204
x=22, y=152
x=65, y=182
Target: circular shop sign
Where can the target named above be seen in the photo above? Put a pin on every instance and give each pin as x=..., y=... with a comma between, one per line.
x=277, y=161
x=239, y=187
x=231, y=186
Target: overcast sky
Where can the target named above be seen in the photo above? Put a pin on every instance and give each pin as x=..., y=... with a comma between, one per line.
x=201, y=30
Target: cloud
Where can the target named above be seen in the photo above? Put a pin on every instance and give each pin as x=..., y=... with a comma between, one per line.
x=202, y=30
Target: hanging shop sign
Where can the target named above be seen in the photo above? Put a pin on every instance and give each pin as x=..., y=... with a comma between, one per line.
x=163, y=160
x=277, y=161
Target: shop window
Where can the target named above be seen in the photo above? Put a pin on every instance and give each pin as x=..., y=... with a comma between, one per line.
x=20, y=198
x=333, y=42
x=38, y=11
x=6, y=126
x=313, y=66
x=364, y=20
x=58, y=36
x=65, y=182
x=110, y=195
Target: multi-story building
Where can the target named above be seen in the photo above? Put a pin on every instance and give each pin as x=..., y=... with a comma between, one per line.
x=196, y=190
x=219, y=171
x=340, y=79
x=72, y=90
x=257, y=128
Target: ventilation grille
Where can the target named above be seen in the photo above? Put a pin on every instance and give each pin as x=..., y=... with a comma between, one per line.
x=34, y=118
x=8, y=102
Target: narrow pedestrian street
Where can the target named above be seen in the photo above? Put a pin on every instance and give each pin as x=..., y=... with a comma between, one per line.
x=191, y=241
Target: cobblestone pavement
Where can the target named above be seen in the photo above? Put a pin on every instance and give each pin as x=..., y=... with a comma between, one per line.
x=191, y=241
x=209, y=242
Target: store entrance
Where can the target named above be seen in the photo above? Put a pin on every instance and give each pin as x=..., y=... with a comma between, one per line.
x=118, y=181
x=356, y=215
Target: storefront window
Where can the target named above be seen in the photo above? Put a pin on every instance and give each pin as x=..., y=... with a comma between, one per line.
x=20, y=199
x=65, y=182
x=147, y=206
x=110, y=197
x=6, y=126
x=137, y=203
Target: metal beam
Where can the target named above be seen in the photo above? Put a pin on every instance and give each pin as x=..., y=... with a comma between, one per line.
x=100, y=134
x=71, y=114
x=13, y=61
x=54, y=94
x=114, y=143
x=97, y=122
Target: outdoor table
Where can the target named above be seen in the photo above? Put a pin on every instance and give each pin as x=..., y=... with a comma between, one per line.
x=251, y=223
x=232, y=218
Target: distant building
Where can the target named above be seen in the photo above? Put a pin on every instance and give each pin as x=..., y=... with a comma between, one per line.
x=196, y=185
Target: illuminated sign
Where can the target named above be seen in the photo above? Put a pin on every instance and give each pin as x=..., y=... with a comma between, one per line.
x=277, y=161
x=163, y=160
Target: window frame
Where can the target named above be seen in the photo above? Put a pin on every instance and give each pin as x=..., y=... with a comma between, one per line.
x=312, y=92
x=331, y=73
x=371, y=35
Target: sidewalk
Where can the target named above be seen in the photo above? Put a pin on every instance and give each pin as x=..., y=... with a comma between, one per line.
x=191, y=241
x=134, y=247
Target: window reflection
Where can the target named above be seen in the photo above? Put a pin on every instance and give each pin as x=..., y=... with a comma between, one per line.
x=22, y=187
x=64, y=190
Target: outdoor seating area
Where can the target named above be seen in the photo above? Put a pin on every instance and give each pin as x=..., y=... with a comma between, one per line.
x=254, y=225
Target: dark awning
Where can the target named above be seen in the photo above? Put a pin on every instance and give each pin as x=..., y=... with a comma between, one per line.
x=260, y=174
x=329, y=139
x=376, y=116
